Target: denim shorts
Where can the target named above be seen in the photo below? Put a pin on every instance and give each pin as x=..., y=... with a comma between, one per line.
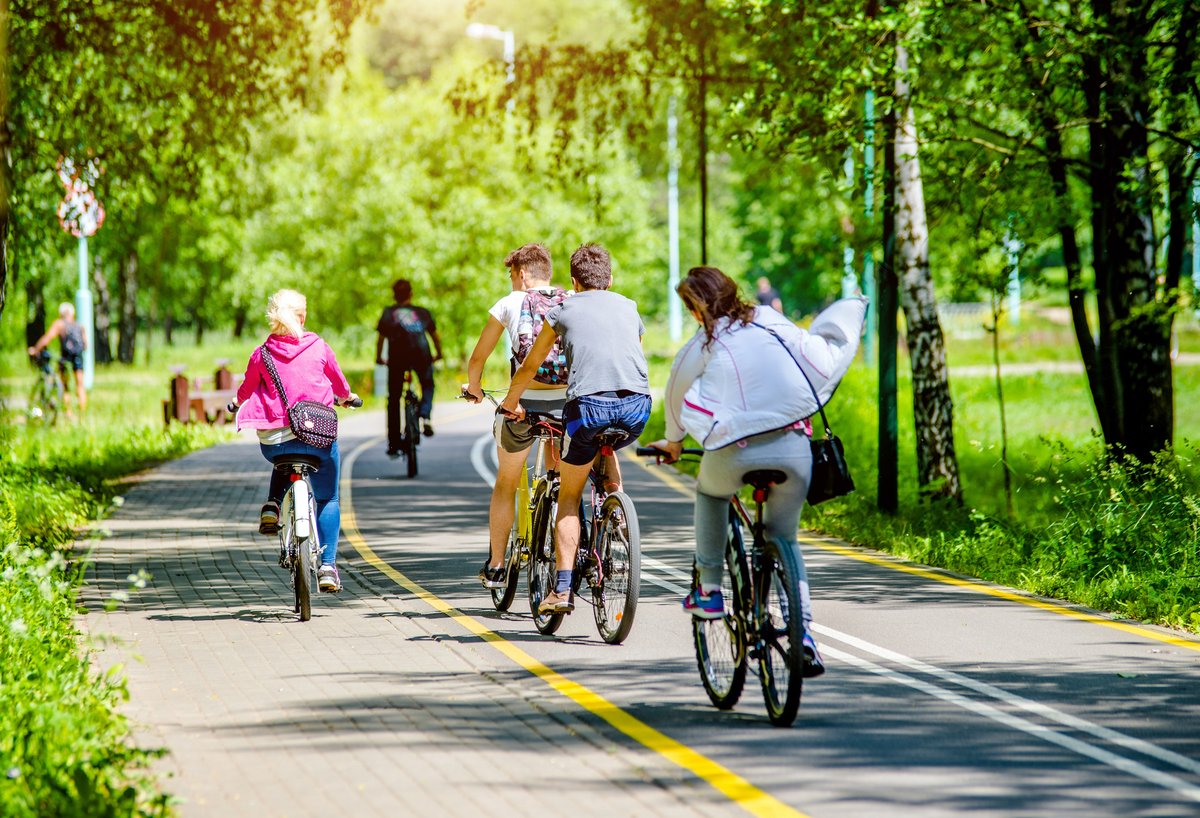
x=588, y=415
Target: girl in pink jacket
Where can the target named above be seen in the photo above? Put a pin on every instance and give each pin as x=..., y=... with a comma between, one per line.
x=308, y=370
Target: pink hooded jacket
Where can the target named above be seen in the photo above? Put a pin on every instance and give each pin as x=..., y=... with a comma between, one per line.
x=308, y=369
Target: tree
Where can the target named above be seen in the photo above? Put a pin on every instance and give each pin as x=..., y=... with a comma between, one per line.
x=151, y=88
x=1104, y=105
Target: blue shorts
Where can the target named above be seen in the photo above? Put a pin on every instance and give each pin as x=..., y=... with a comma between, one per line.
x=587, y=416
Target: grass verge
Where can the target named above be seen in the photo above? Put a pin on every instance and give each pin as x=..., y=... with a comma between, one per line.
x=65, y=749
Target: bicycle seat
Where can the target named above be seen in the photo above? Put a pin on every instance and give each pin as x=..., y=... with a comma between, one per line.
x=764, y=478
x=289, y=462
x=611, y=436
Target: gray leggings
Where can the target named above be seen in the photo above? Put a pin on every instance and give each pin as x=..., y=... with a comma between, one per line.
x=720, y=478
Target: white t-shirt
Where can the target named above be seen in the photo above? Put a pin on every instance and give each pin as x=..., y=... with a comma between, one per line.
x=507, y=311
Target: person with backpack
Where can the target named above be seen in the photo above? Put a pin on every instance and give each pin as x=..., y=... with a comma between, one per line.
x=404, y=327
x=601, y=333
x=72, y=339
x=519, y=315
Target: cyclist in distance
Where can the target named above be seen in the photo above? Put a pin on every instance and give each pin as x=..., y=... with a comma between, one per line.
x=72, y=339
x=405, y=327
x=308, y=370
x=601, y=334
x=519, y=315
x=737, y=388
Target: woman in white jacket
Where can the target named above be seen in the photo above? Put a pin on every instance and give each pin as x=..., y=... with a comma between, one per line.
x=737, y=388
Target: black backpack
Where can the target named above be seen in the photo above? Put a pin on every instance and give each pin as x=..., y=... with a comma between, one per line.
x=72, y=340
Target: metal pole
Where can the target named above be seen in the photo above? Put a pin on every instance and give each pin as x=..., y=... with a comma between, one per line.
x=1196, y=248
x=703, y=159
x=887, y=303
x=849, y=277
x=674, y=307
x=1013, y=246
x=83, y=314
x=868, y=282
x=510, y=65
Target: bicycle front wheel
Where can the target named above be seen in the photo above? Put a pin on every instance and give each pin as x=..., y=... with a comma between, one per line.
x=781, y=630
x=721, y=643
x=618, y=577
x=542, y=566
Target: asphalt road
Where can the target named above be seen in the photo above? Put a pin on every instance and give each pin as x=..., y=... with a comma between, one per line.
x=943, y=696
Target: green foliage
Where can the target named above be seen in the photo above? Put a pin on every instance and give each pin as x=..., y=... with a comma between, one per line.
x=66, y=750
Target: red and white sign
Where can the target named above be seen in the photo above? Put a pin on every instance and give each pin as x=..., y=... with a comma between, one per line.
x=80, y=212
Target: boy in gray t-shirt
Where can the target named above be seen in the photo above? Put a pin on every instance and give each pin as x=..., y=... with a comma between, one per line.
x=602, y=336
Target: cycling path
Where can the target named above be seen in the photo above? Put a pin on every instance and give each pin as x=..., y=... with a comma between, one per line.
x=409, y=694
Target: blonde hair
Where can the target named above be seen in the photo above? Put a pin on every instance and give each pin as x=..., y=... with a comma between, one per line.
x=285, y=311
x=66, y=310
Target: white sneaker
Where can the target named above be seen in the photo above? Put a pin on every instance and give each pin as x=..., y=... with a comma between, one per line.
x=328, y=581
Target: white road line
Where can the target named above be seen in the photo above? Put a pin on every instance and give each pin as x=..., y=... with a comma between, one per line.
x=1028, y=705
x=1113, y=760
x=477, y=459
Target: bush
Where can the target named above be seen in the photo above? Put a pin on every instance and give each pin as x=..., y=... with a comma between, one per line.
x=63, y=746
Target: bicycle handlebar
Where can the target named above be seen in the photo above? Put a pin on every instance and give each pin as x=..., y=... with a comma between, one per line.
x=650, y=451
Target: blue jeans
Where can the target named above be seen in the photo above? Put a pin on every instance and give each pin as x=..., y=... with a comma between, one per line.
x=325, y=489
x=587, y=415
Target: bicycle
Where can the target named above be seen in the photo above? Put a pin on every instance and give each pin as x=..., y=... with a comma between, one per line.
x=762, y=621
x=410, y=425
x=300, y=548
x=548, y=430
x=608, y=559
x=46, y=396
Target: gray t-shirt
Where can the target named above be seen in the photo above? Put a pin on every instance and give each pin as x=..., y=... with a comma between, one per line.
x=601, y=333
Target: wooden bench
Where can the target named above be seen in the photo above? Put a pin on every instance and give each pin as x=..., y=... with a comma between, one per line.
x=188, y=402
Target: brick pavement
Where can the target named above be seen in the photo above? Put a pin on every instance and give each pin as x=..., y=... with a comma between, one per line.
x=368, y=709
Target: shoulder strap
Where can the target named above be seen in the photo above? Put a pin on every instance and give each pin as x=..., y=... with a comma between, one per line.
x=270, y=362
x=816, y=397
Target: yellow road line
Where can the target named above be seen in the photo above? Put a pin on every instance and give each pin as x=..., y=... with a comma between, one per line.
x=728, y=783
x=668, y=476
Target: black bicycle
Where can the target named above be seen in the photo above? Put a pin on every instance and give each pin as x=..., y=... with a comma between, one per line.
x=46, y=397
x=410, y=425
x=762, y=621
x=609, y=557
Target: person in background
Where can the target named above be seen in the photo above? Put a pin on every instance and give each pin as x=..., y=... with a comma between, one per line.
x=768, y=296
x=73, y=340
x=308, y=370
x=738, y=388
x=404, y=327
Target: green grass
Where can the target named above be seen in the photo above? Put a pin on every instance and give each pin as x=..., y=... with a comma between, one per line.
x=65, y=747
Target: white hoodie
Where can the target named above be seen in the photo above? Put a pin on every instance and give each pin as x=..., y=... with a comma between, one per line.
x=746, y=383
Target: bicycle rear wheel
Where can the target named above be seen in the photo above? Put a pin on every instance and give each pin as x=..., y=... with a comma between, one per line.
x=542, y=567
x=301, y=580
x=412, y=434
x=618, y=578
x=502, y=598
x=721, y=643
x=781, y=630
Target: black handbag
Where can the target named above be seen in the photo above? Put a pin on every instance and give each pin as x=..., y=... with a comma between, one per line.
x=830, y=474
x=311, y=422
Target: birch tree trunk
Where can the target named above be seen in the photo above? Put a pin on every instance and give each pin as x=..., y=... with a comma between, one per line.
x=933, y=410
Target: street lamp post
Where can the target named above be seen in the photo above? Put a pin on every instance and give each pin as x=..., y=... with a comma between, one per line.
x=485, y=31
x=674, y=307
